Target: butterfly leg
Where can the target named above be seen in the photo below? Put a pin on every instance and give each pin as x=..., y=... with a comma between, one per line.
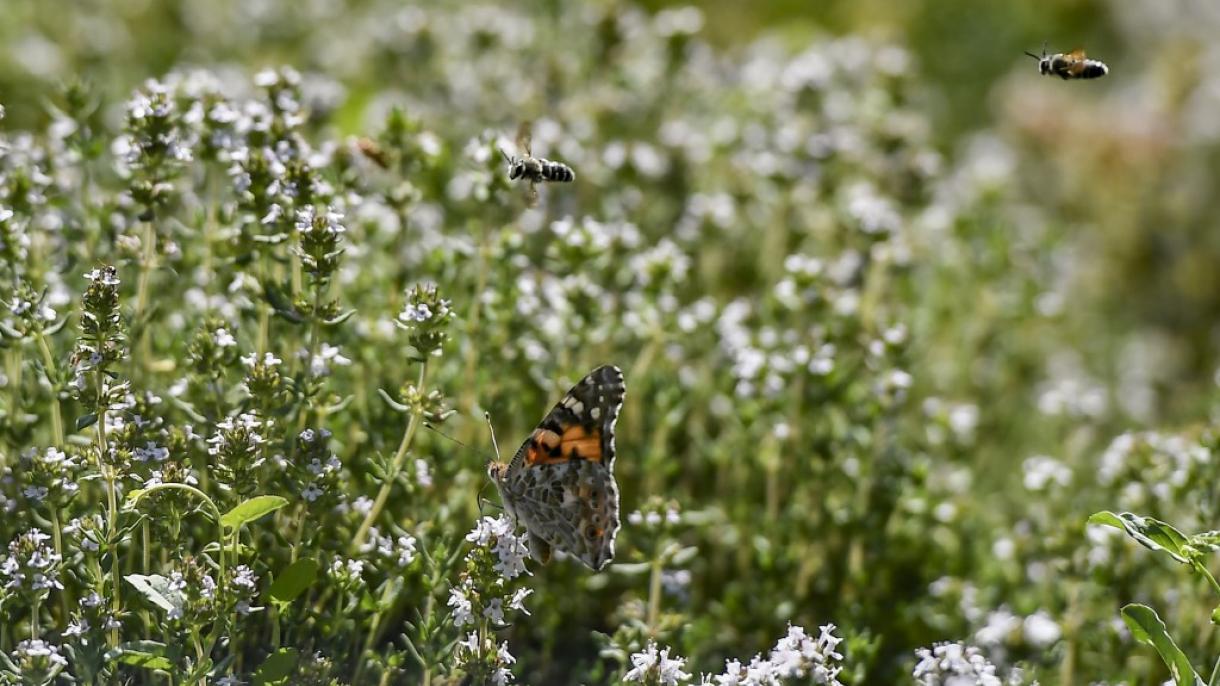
x=540, y=550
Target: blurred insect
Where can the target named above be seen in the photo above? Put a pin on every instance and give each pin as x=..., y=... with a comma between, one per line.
x=1071, y=65
x=534, y=169
x=374, y=152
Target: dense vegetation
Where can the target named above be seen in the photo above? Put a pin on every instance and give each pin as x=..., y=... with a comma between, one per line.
x=881, y=371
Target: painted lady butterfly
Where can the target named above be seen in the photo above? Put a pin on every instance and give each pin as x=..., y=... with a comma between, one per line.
x=560, y=484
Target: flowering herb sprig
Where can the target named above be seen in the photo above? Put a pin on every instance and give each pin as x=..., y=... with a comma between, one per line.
x=425, y=318
x=484, y=598
x=101, y=344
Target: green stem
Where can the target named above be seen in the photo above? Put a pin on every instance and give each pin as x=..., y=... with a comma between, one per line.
x=298, y=531
x=112, y=543
x=112, y=503
x=315, y=340
x=57, y=539
x=395, y=467
x=1202, y=569
x=264, y=309
x=48, y=363
x=654, y=596
x=222, y=584
x=35, y=610
x=274, y=614
x=147, y=265
x=146, y=567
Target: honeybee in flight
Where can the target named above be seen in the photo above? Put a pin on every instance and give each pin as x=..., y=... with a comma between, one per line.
x=1072, y=65
x=534, y=169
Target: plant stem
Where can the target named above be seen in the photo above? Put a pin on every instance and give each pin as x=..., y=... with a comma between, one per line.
x=395, y=467
x=654, y=596
x=48, y=363
x=112, y=504
x=147, y=264
x=57, y=539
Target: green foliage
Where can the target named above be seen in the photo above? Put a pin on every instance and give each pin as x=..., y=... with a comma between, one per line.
x=880, y=369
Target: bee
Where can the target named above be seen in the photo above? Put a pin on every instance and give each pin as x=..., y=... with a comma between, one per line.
x=534, y=169
x=1072, y=65
x=370, y=149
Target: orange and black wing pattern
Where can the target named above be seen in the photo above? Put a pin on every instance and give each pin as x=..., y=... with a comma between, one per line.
x=579, y=427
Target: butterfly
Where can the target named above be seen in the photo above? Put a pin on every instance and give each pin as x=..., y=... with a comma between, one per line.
x=560, y=483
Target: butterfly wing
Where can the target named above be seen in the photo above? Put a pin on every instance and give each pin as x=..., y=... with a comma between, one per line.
x=561, y=480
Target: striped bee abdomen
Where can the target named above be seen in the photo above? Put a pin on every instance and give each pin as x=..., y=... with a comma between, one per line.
x=557, y=172
x=1094, y=69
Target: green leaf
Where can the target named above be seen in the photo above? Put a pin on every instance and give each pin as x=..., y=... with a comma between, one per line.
x=339, y=319
x=85, y=421
x=251, y=510
x=157, y=590
x=1151, y=533
x=54, y=328
x=277, y=667
x=1147, y=627
x=146, y=654
x=293, y=581
x=389, y=400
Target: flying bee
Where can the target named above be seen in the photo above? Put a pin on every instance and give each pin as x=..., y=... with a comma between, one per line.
x=534, y=169
x=1072, y=65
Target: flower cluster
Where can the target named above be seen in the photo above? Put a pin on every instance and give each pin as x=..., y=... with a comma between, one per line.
x=238, y=450
x=314, y=470
x=950, y=664
x=425, y=317
x=483, y=596
x=656, y=668
x=31, y=568
x=35, y=661
x=796, y=658
x=51, y=476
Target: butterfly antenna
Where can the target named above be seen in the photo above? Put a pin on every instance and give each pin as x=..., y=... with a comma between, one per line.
x=435, y=430
x=494, y=444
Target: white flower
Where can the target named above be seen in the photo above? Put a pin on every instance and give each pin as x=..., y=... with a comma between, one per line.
x=657, y=664
x=415, y=312
x=77, y=627
x=495, y=610
x=953, y=664
x=38, y=648
x=463, y=612
x=406, y=550
x=1040, y=630
x=223, y=338
x=518, y=600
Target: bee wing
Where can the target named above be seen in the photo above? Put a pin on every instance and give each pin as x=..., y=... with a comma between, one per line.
x=531, y=195
x=525, y=137
x=1076, y=61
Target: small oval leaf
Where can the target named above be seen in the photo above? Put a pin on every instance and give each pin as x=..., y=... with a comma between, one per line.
x=276, y=668
x=1147, y=627
x=293, y=581
x=1150, y=533
x=85, y=421
x=251, y=510
x=156, y=589
x=146, y=654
